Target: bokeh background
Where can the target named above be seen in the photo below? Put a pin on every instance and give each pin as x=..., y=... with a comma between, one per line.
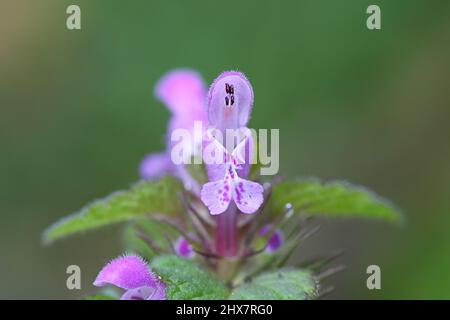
x=77, y=114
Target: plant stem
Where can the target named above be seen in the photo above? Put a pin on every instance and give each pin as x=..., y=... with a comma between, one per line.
x=226, y=233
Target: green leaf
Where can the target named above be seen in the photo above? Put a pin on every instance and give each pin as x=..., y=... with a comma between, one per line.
x=338, y=199
x=283, y=284
x=186, y=281
x=143, y=199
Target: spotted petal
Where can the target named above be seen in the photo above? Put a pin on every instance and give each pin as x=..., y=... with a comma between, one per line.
x=248, y=195
x=216, y=196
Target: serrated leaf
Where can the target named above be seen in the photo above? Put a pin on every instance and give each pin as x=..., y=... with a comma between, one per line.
x=283, y=284
x=141, y=200
x=186, y=281
x=338, y=199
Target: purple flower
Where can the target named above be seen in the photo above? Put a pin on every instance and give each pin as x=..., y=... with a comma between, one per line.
x=183, y=248
x=230, y=101
x=275, y=241
x=132, y=274
x=184, y=94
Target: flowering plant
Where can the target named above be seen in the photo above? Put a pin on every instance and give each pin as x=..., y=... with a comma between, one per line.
x=204, y=223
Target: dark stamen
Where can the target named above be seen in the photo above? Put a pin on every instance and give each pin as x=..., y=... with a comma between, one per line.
x=229, y=99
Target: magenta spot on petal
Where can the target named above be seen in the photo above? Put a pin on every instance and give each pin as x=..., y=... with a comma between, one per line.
x=238, y=196
x=230, y=171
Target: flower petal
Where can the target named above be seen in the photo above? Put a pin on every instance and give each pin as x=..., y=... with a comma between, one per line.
x=215, y=158
x=248, y=195
x=183, y=91
x=159, y=293
x=145, y=293
x=216, y=196
x=243, y=154
x=128, y=272
x=140, y=293
x=230, y=100
x=155, y=165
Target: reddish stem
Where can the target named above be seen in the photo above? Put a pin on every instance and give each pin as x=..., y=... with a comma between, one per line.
x=226, y=233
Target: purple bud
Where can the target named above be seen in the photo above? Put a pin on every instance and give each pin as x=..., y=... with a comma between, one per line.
x=275, y=241
x=155, y=165
x=230, y=100
x=183, y=248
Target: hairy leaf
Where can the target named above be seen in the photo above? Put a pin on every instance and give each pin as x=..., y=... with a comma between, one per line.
x=186, y=281
x=338, y=199
x=143, y=199
x=283, y=284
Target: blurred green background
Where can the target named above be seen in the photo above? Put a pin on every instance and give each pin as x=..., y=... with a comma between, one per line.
x=77, y=114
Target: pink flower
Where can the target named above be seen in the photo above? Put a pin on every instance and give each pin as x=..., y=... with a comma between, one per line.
x=184, y=94
x=132, y=274
x=230, y=102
